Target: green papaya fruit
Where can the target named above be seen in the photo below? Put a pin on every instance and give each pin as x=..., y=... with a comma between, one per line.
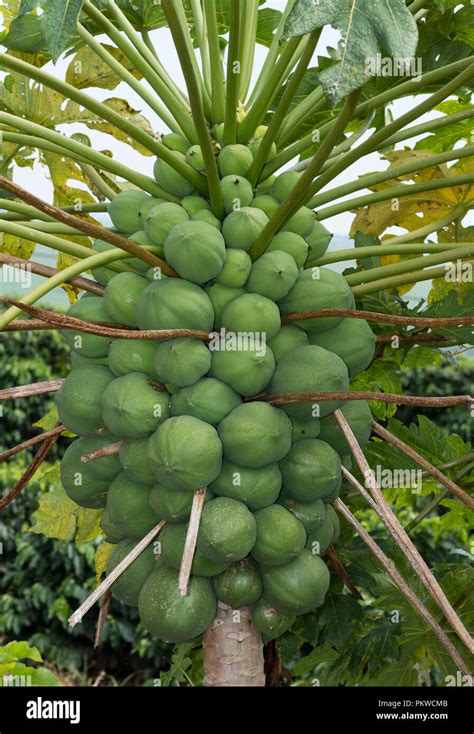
x=255, y=487
x=301, y=222
x=132, y=355
x=124, y=210
x=111, y=532
x=185, y=453
x=318, y=240
x=280, y=536
x=319, y=540
x=311, y=470
x=161, y=219
x=239, y=585
x=220, y=296
x=234, y=160
x=195, y=158
x=273, y=275
x=310, y=514
x=298, y=586
x=132, y=407
x=141, y=238
x=79, y=399
x=236, y=192
x=288, y=338
x=236, y=269
x=134, y=460
x=77, y=360
x=248, y=369
x=252, y=313
x=269, y=621
x=174, y=505
x=266, y=203
x=208, y=399
x=103, y=468
x=204, y=215
x=173, y=141
x=254, y=148
x=318, y=288
x=79, y=485
x=305, y=429
x=196, y=250
x=121, y=295
x=291, y=243
x=88, y=345
x=172, y=540
x=352, y=339
x=227, y=531
x=265, y=187
x=102, y=274
x=193, y=204
x=128, y=507
x=174, y=304
x=284, y=183
x=129, y=584
x=310, y=369
x=145, y=209
x=182, y=361
x=169, y=179
x=336, y=523
x=255, y=434
x=242, y=227
x=172, y=617
x=359, y=416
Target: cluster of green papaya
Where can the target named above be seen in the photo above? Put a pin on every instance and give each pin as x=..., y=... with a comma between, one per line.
x=183, y=409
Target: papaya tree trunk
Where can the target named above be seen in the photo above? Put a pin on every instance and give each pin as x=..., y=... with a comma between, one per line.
x=233, y=650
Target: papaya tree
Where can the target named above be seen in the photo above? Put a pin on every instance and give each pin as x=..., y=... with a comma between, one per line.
x=232, y=395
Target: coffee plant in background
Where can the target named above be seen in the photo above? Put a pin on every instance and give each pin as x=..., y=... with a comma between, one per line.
x=224, y=378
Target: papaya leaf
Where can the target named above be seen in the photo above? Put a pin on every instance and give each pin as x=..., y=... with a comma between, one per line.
x=101, y=558
x=49, y=420
x=25, y=34
x=58, y=24
x=180, y=664
x=268, y=20
x=86, y=69
x=450, y=305
x=26, y=6
x=382, y=376
x=13, y=670
x=340, y=617
x=364, y=240
x=367, y=28
x=375, y=650
x=59, y=517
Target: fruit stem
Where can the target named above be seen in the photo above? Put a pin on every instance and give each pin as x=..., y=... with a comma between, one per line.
x=46, y=271
x=186, y=57
x=31, y=442
x=96, y=179
x=416, y=276
x=359, y=253
x=430, y=506
x=313, y=102
x=419, y=234
x=248, y=40
x=24, y=209
x=217, y=73
x=201, y=34
x=233, y=75
x=199, y=498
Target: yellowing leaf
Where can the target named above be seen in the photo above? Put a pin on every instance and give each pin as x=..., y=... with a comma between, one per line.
x=101, y=557
x=59, y=517
x=87, y=69
x=128, y=113
x=13, y=245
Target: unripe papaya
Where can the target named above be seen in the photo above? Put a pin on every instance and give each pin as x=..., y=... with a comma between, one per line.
x=319, y=540
x=298, y=586
x=79, y=485
x=79, y=399
x=195, y=158
x=255, y=487
x=196, y=250
x=133, y=458
x=227, y=531
x=336, y=522
x=284, y=183
x=352, y=339
x=128, y=506
x=310, y=369
x=265, y=187
x=242, y=227
x=269, y=621
x=208, y=399
x=121, y=295
x=311, y=470
x=266, y=203
x=161, y=219
x=172, y=541
x=204, y=215
x=247, y=369
x=173, y=141
x=271, y=153
x=103, y=468
x=89, y=345
x=102, y=274
x=310, y=428
x=358, y=415
x=174, y=304
x=255, y=434
x=236, y=192
x=111, y=532
x=280, y=536
x=236, y=269
x=182, y=361
x=234, y=160
x=172, y=617
x=132, y=406
x=141, y=238
x=185, y=453
x=193, y=204
x=77, y=360
x=220, y=296
x=129, y=584
x=170, y=180
x=145, y=209
x=174, y=505
x=273, y=275
x=288, y=338
x=291, y=243
x=301, y=222
x=318, y=240
x=132, y=355
x=239, y=585
x=124, y=210
x=252, y=313
x=310, y=514
x=318, y=288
